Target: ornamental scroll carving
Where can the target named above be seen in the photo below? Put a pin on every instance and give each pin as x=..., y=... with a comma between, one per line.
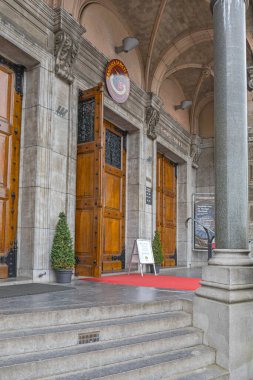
x=250, y=151
x=250, y=78
x=195, y=151
x=65, y=53
x=152, y=119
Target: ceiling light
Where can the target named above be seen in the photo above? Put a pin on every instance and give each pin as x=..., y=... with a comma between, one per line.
x=129, y=43
x=183, y=105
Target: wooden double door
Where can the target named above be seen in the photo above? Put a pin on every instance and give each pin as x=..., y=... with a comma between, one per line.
x=100, y=190
x=10, y=116
x=166, y=208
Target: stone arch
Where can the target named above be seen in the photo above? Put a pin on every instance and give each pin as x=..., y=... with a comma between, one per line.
x=179, y=46
x=117, y=30
x=199, y=107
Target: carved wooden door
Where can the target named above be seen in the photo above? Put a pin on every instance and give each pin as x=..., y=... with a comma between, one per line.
x=100, y=189
x=114, y=199
x=89, y=185
x=10, y=116
x=166, y=202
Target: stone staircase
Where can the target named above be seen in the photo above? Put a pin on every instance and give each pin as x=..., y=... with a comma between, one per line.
x=137, y=341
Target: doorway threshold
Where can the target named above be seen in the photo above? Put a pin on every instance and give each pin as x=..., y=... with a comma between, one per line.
x=15, y=281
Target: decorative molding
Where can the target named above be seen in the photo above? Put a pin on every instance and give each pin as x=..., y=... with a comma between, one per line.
x=195, y=150
x=250, y=78
x=152, y=119
x=64, y=21
x=173, y=136
x=67, y=37
x=66, y=50
x=42, y=13
x=250, y=150
x=152, y=115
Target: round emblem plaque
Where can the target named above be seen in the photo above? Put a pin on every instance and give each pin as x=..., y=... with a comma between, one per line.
x=117, y=80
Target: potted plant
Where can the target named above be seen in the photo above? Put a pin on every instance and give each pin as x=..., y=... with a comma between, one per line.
x=62, y=253
x=157, y=252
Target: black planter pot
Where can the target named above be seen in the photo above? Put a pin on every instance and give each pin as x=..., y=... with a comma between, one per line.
x=157, y=268
x=63, y=276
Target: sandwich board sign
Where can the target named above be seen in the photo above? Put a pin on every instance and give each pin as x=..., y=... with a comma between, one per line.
x=142, y=254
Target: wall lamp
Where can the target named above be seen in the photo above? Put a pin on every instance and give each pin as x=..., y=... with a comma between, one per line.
x=129, y=43
x=183, y=105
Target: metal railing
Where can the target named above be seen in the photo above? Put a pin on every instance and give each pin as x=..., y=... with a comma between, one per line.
x=209, y=233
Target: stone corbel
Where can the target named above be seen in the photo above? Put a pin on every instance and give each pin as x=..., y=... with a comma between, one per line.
x=250, y=144
x=65, y=53
x=153, y=116
x=152, y=119
x=195, y=150
x=67, y=37
x=250, y=78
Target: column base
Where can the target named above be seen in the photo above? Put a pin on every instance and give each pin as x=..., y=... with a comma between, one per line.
x=231, y=257
x=223, y=309
x=227, y=284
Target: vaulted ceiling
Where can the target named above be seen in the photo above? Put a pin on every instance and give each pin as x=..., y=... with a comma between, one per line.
x=160, y=24
x=176, y=40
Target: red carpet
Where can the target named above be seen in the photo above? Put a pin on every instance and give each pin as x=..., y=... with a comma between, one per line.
x=150, y=280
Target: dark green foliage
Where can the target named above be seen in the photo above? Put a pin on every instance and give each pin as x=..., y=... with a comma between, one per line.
x=62, y=253
x=157, y=248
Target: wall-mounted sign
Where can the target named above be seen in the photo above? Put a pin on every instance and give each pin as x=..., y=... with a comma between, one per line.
x=148, y=195
x=204, y=214
x=117, y=80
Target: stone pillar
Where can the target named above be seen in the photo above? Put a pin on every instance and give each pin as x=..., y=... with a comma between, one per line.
x=230, y=98
x=223, y=307
x=134, y=194
x=185, y=184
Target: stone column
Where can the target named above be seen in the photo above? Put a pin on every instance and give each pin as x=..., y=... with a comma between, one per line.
x=223, y=307
x=231, y=152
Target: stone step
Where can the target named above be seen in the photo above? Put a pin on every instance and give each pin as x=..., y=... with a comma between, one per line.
x=211, y=372
x=91, y=356
x=65, y=315
x=42, y=339
x=153, y=367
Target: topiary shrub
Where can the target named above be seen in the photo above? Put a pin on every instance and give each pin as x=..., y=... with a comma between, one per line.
x=157, y=248
x=62, y=253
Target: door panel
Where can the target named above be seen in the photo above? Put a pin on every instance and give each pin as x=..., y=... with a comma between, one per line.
x=6, y=87
x=113, y=191
x=114, y=199
x=166, y=208
x=89, y=190
x=85, y=170
x=2, y=225
x=10, y=116
x=4, y=156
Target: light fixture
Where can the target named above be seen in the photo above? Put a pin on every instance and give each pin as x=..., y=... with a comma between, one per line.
x=129, y=43
x=183, y=105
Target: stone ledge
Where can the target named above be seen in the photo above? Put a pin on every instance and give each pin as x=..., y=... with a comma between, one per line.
x=226, y=296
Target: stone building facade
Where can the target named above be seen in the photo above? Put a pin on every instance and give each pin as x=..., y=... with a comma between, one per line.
x=54, y=50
